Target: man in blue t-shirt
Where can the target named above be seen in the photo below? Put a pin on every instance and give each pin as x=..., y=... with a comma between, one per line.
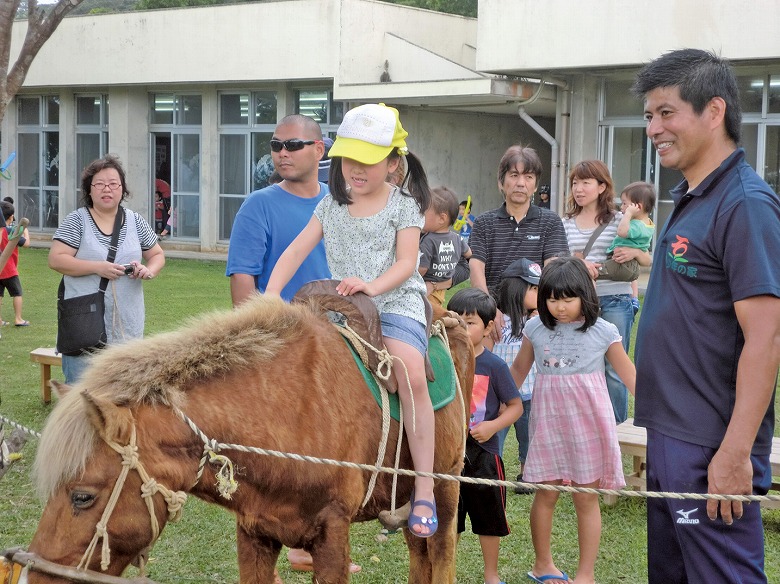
x=707, y=350
x=269, y=219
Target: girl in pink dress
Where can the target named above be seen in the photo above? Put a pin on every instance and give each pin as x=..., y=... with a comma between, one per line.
x=572, y=427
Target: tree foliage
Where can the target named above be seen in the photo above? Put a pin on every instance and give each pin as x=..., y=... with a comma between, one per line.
x=462, y=7
x=42, y=21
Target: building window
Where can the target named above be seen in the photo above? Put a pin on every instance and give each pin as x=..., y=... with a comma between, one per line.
x=247, y=121
x=38, y=170
x=176, y=157
x=319, y=104
x=619, y=101
x=772, y=159
x=630, y=155
x=91, y=131
x=751, y=93
x=774, y=95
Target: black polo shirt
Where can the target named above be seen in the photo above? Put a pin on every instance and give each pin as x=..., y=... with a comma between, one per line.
x=498, y=240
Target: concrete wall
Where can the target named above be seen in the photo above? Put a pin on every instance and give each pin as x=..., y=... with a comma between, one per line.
x=367, y=30
x=462, y=151
x=286, y=39
x=289, y=39
x=563, y=34
x=584, y=118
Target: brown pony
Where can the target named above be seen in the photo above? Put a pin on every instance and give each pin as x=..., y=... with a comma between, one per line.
x=270, y=375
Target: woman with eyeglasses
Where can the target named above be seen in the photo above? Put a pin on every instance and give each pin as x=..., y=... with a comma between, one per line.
x=80, y=249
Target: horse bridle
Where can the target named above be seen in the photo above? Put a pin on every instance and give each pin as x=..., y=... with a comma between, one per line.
x=149, y=488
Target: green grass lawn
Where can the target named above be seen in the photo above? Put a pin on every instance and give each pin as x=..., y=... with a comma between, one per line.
x=201, y=548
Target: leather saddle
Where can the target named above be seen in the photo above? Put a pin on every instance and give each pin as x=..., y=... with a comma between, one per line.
x=361, y=315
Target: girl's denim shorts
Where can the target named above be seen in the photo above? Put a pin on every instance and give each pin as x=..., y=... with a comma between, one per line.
x=406, y=330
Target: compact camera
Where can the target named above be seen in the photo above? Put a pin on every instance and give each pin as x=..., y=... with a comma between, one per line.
x=129, y=269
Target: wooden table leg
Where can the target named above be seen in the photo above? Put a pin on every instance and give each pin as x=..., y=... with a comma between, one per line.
x=45, y=378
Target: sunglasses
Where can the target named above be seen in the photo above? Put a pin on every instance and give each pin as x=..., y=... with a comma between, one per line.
x=291, y=145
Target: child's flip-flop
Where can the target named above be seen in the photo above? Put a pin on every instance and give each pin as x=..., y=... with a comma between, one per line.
x=23, y=323
x=432, y=522
x=542, y=579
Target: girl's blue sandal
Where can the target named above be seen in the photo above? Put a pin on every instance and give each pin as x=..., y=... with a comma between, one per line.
x=546, y=577
x=432, y=522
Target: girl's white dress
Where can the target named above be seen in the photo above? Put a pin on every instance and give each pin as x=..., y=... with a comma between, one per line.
x=572, y=427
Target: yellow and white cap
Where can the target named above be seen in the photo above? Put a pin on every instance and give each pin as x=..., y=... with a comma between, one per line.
x=369, y=133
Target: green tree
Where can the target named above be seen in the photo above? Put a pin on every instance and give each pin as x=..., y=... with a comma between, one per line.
x=42, y=21
x=462, y=7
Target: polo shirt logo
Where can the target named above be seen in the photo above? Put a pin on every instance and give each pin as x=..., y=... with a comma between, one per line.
x=675, y=260
x=533, y=237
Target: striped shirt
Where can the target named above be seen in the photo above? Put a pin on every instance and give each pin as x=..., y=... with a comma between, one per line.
x=578, y=238
x=498, y=240
x=70, y=231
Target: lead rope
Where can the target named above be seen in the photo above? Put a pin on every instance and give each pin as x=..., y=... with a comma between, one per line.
x=149, y=488
x=385, y=367
x=382, y=372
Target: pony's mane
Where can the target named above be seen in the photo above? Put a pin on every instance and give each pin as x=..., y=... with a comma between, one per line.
x=159, y=370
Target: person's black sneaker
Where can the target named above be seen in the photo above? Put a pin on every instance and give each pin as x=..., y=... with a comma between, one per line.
x=522, y=490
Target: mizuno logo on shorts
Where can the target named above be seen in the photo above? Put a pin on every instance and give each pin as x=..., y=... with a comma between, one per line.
x=685, y=517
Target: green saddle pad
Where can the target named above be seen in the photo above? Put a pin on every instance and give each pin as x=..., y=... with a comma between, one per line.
x=442, y=390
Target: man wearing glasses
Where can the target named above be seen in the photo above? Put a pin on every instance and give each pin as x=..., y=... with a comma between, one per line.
x=269, y=219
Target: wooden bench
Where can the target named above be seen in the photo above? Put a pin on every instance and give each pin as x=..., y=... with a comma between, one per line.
x=46, y=357
x=633, y=443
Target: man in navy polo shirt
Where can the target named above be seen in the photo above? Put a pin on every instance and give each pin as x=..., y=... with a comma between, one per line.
x=708, y=346
x=517, y=229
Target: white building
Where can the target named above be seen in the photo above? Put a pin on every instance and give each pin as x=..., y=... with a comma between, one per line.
x=596, y=47
x=192, y=95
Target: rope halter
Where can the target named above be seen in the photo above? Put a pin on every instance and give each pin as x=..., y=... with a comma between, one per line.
x=149, y=488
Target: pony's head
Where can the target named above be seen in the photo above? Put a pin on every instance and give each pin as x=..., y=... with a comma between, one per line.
x=97, y=504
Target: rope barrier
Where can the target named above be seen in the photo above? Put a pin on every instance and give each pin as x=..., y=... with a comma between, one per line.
x=18, y=426
x=216, y=446
x=488, y=482
x=37, y=564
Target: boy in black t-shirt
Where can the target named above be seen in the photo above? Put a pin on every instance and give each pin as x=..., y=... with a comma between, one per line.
x=440, y=248
x=493, y=386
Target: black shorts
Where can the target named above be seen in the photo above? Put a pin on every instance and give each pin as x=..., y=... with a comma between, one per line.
x=13, y=285
x=485, y=505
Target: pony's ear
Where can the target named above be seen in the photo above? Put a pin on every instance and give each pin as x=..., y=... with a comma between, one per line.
x=60, y=389
x=113, y=423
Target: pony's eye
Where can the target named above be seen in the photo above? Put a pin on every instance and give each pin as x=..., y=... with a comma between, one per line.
x=81, y=499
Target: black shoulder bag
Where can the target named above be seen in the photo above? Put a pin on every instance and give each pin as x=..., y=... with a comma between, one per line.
x=81, y=326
